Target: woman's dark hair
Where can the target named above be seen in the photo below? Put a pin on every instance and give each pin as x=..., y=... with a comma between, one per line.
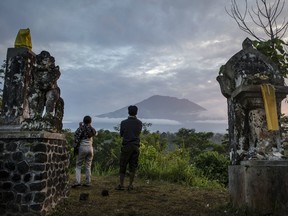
x=87, y=120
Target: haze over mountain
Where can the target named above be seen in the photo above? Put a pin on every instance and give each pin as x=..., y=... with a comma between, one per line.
x=167, y=114
x=161, y=107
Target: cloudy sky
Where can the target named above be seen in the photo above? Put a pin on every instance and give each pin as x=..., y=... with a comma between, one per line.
x=113, y=53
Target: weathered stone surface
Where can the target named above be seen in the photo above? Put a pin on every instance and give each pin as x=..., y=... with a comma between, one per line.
x=24, y=208
x=20, y=188
x=1, y=147
x=6, y=186
x=40, y=176
x=261, y=186
x=258, y=175
x=23, y=167
x=27, y=198
x=40, y=158
x=38, y=167
x=39, y=197
x=17, y=84
x=7, y=196
x=39, y=148
x=18, y=198
x=27, y=177
x=38, y=186
x=29, y=182
x=10, y=166
x=2, y=208
x=30, y=87
x=17, y=156
x=240, y=81
x=36, y=207
x=16, y=177
x=11, y=147
x=14, y=208
x=4, y=175
x=31, y=135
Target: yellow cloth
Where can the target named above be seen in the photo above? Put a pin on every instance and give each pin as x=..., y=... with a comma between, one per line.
x=268, y=94
x=23, y=39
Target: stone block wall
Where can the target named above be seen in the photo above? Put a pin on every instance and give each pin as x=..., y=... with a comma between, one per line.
x=33, y=172
x=260, y=186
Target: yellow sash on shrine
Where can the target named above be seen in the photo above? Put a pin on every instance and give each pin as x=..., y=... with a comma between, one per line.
x=23, y=39
x=269, y=98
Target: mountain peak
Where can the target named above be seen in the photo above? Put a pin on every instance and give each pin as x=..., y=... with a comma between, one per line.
x=161, y=107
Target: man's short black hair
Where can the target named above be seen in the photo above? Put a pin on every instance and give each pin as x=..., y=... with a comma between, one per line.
x=132, y=110
x=87, y=120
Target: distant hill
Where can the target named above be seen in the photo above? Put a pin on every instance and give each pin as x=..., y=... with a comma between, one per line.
x=161, y=107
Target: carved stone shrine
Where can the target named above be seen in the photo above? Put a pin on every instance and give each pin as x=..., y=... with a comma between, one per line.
x=34, y=158
x=254, y=88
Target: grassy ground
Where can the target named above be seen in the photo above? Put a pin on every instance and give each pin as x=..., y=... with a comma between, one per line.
x=149, y=198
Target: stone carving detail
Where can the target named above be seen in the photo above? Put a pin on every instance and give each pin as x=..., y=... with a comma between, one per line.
x=240, y=81
x=45, y=95
x=31, y=96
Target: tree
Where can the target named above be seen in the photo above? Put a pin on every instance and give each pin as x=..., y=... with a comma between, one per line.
x=146, y=126
x=264, y=16
x=107, y=150
x=194, y=142
x=155, y=139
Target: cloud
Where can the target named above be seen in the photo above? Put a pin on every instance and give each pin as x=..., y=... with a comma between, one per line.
x=115, y=53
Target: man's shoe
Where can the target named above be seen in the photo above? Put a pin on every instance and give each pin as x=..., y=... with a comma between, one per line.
x=87, y=185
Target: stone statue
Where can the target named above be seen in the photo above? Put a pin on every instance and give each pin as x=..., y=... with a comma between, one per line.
x=240, y=81
x=31, y=96
x=44, y=98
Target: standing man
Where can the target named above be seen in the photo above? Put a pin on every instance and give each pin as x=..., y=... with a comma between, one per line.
x=130, y=130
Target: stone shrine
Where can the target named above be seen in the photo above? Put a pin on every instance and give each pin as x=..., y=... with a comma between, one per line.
x=34, y=157
x=254, y=88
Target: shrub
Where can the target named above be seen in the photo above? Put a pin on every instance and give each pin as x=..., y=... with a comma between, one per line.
x=213, y=165
x=173, y=167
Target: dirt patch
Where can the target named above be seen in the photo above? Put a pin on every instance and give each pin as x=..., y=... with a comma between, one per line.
x=148, y=198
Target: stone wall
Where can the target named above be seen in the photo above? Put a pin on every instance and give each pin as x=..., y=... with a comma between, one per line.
x=33, y=172
x=261, y=186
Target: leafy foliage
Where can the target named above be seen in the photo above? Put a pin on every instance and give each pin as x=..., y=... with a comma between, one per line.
x=173, y=167
x=107, y=147
x=274, y=49
x=213, y=165
x=196, y=142
x=158, y=159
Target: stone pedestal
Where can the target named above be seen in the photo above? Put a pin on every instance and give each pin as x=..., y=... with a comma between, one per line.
x=33, y=172
x=260, y=186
